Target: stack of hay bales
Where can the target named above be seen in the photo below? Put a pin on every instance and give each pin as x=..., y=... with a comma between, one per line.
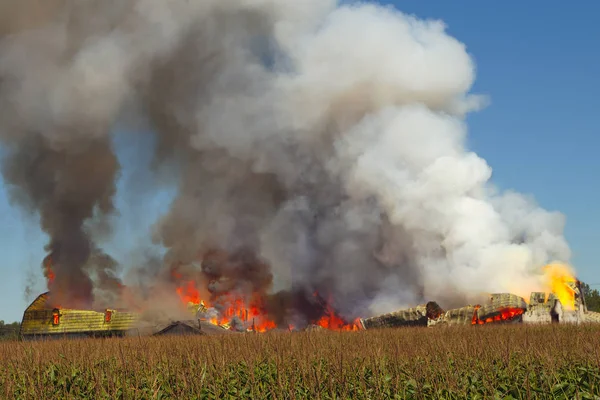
x=456, y=316
x=416, y=316
x=592, y=316
x=499, y=303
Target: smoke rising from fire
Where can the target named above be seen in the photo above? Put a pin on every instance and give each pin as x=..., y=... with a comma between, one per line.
x=324, y=142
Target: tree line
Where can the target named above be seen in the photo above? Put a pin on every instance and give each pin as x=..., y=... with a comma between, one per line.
x=9, y=331
x=592, y=297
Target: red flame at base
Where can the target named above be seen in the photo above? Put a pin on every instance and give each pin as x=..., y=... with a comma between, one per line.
x=334, y=322
x=250, y=309
x=331, y=320
x=504, y=314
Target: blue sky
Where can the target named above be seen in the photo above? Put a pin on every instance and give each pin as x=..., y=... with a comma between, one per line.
x=539, y=63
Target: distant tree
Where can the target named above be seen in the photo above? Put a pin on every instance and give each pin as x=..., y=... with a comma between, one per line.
x=592, y=297
x=9, y=331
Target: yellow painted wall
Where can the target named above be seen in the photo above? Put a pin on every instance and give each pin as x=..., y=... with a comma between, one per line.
x=38, y=318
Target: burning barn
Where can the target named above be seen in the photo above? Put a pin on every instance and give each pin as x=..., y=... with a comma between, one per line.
x=42, y=320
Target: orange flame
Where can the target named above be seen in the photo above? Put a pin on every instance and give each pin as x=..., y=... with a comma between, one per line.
x=558, y=279
x=189, y=293
x=249, y=311
x=331, y=320
x=48, y=271
x=504, y=314
x=334, y=322
x=55, y=317
x=475, y=320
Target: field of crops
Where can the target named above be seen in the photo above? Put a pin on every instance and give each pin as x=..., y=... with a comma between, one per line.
x=517, y=361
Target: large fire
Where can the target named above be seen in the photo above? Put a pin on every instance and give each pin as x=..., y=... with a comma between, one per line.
x=233, y=310
x=247, y=310
x=229, y=310
x=560, y=280
x=250, y=310
x=331, y=320
x=231, y=290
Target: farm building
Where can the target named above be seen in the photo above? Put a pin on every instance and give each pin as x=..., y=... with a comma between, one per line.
x=40, y=320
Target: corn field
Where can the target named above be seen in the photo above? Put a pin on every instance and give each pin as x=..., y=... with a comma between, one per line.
x=508, y=362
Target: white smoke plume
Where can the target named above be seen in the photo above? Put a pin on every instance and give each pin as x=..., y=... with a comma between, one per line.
x=328, y=140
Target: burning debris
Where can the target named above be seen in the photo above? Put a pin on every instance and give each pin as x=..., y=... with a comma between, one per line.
x=502, y=308
x=236, y=293
x=217, y=291
x=237, y=314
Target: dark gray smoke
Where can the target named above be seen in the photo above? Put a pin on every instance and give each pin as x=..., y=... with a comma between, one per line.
x=324, y=142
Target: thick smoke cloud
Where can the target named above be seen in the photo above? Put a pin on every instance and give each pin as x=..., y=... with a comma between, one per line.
x=327, y=141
